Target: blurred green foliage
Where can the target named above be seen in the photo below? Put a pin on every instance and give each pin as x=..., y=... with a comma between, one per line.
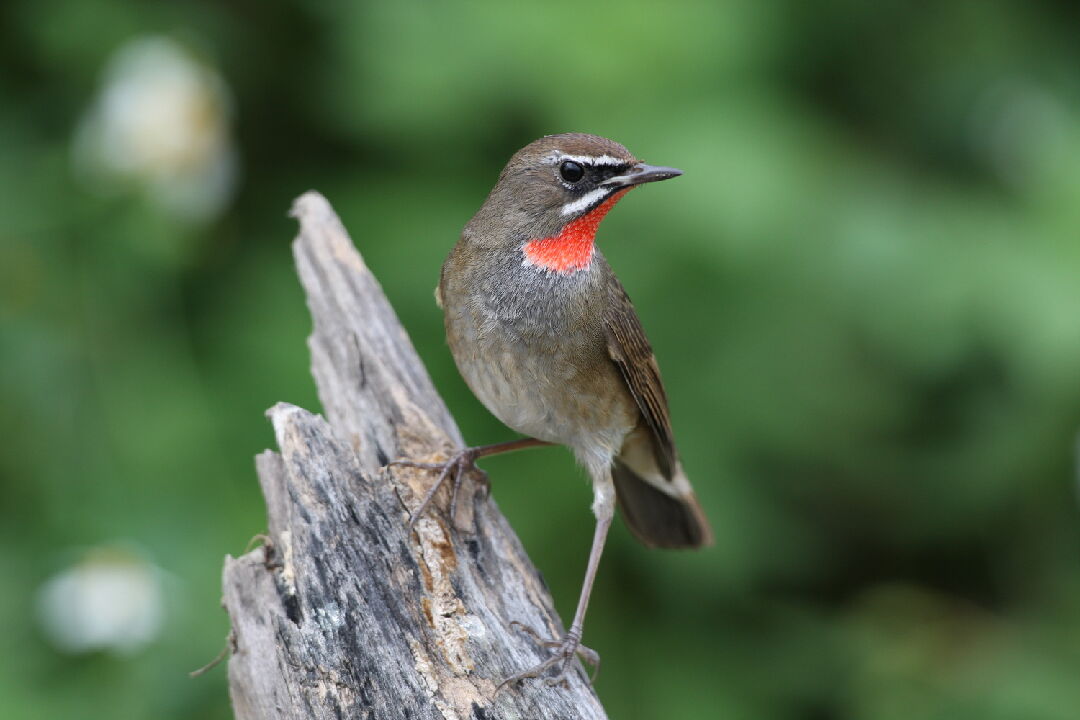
x=864, y=295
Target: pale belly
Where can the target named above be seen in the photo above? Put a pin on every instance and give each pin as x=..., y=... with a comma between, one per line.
x=536, y=391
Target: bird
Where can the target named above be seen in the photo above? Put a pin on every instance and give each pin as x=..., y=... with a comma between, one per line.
x=545, y=336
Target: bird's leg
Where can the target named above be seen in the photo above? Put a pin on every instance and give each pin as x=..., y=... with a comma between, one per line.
x=460, y=464
x=570, y=645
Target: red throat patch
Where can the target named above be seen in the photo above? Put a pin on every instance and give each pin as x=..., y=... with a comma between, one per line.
x=572, y=248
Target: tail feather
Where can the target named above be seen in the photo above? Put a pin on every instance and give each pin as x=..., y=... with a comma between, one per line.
x=657, y=518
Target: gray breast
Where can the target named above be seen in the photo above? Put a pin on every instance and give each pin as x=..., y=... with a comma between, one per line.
x=532, y=347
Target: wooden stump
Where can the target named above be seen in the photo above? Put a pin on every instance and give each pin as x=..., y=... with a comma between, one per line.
x=343, y=614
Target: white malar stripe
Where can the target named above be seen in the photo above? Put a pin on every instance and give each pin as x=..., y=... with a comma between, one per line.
x=593, y=160
x=585, y=201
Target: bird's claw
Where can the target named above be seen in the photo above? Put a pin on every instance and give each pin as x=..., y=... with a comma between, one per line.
x=565, y=651
x=455, y=469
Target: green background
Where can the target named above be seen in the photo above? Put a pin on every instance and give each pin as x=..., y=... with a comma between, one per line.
x=864, y=295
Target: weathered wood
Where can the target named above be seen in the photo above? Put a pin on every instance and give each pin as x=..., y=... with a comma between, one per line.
x=344, y=615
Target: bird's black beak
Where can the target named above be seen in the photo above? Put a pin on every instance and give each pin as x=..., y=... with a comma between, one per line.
x=642, y=173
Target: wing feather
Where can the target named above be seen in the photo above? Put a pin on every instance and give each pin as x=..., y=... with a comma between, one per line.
x=630, y=351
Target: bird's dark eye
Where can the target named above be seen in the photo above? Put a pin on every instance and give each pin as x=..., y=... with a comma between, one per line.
x=571, y=171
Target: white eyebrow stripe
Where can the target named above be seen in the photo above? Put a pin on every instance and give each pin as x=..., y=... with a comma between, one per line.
x=587, y=159
x=585, y=200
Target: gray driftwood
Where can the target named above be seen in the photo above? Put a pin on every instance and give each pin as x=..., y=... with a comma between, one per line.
x=343, y=614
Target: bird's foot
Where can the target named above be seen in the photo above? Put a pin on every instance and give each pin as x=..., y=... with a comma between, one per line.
x=562, y=659
x=455, y=469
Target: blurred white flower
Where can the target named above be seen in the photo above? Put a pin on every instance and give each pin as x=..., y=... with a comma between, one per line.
x=111, y=600
x=161, y=121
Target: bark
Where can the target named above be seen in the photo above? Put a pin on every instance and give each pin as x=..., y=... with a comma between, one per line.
x=343, y=614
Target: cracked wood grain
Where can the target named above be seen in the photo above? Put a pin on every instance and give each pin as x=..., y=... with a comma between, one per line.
x=343, y=614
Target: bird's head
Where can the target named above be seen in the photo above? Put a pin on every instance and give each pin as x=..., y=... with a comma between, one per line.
x=551, y=196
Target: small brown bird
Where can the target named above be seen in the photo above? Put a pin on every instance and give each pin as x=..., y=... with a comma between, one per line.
x=547, y=339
